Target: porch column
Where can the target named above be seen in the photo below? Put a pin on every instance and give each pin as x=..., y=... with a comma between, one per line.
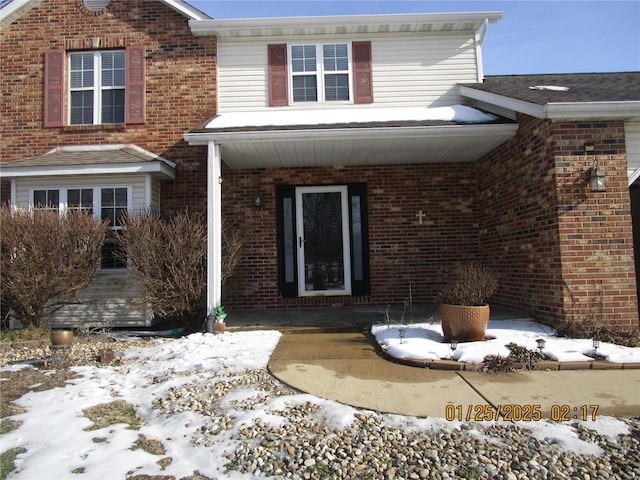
x=214, y=227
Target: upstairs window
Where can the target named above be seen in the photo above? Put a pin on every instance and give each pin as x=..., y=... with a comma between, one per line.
x=97, y=87
x=320, y=73
x=100, y=87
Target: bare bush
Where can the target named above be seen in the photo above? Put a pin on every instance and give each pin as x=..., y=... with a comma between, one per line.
x=45, y=259
x=232, y=243
x=472, y=283
x=168, y=259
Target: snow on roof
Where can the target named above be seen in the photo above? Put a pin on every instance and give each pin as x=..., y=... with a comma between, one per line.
x=282, y=118
x=549, y=87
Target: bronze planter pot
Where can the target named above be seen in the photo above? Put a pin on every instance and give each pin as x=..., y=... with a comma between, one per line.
x=464, y=323
x=61, y=337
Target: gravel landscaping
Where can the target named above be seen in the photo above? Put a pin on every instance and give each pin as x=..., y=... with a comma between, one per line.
x=206, y=413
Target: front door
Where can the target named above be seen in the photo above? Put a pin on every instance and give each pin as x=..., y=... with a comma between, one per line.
x=322, y=223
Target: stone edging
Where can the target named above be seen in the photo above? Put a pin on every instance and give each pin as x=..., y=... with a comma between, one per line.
x=541, y=365
x=474, y=367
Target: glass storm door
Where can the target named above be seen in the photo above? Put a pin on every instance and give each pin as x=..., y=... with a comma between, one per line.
x=322, y=220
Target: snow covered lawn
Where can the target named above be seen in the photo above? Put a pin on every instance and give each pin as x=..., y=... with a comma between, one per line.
x=203, y=396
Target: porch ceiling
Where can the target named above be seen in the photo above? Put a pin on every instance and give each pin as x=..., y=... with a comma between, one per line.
x=357, y=146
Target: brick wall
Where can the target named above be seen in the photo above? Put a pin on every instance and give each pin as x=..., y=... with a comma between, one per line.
x=563, y=252
x=180, y=86
x=402, y=252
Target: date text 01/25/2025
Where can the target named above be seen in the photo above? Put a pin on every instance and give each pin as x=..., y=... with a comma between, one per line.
x=527, y=413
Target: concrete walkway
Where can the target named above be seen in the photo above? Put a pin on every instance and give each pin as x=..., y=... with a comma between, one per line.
x=346, y=367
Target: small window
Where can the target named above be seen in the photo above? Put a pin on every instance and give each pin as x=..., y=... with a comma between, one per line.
x=336, y=84
x=320, y=73
x=114, y=204
x=46, y=200
x=80, y=200
x=97, y=87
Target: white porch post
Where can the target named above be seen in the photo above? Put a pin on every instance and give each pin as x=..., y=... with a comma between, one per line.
x=214, y=227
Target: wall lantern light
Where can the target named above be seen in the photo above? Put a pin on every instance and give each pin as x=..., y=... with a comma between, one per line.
x=257, y=199
x=596, y=177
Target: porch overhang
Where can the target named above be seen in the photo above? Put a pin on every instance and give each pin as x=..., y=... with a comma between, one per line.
x=353, y=141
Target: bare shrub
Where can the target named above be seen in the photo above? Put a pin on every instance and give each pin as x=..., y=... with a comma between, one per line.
x=45, y=259
x=168, y=259
x=592, y=329
x=520, y=358
x=472, y=284
x=232, y=243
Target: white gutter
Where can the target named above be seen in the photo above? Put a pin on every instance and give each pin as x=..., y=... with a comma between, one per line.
x=586, y=110
x=354, y=23
x=479, y=41
x=187, y=10
x=6, y=171
x=558, y=110
x=302, y=135
x=483, y=34
x=505, y=102
x=15, y=10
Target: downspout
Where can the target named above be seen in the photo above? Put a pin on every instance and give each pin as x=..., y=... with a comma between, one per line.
x=481, y=33
x=214, y=227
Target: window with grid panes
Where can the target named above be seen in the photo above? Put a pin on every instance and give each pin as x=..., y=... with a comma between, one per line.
x=97, y=87
x=320, y=73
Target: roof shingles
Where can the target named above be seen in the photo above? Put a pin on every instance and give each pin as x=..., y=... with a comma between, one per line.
x=582, y=87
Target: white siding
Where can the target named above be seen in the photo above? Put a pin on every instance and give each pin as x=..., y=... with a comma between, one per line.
x=242, y=75
x=421, y=71
x=107, y=302
x=416, y=70
x=632, y=135
x=156, y=193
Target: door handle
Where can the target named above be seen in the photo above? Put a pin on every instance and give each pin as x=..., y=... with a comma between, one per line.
x=300, y=241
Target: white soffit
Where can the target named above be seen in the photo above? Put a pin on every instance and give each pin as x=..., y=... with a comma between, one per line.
x=17, y=8
x=343, y=24
x=357, y=146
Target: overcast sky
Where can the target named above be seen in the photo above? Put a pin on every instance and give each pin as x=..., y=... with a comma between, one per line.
x=532, y=37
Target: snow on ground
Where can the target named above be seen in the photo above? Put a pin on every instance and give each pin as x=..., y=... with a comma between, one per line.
x=56, y=442
x=425, y=341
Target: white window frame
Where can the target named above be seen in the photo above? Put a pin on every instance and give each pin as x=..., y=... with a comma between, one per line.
x=97, y=203
x=320, y=72
x=97, y=86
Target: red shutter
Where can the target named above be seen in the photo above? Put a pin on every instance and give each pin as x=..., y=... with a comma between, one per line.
x=278, y=75
x=362, y=77
x=54, y=88
x=134, y=90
